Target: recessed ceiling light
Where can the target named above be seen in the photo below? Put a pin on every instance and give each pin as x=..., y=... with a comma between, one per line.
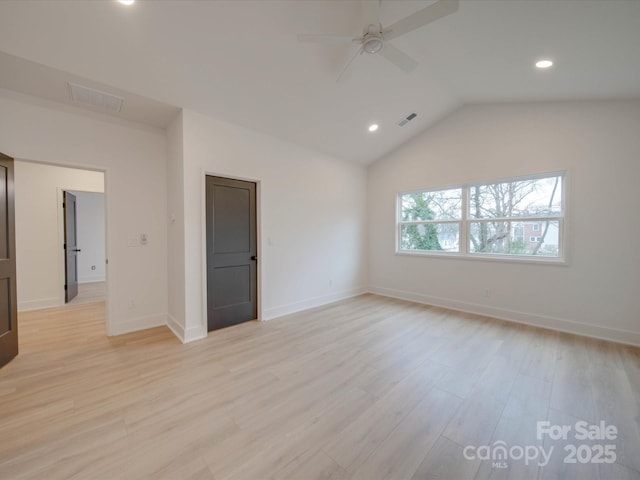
x=373, y=127
x=127, y=2
x=544, y=64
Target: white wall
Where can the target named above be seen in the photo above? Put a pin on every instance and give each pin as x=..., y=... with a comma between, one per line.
x=312, y=210
x=598, y=143
x=90, y=229
x=134, y=158
x=176, y=232
x=39, y=229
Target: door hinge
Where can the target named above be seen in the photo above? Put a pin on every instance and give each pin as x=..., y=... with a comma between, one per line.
x=65, y=287
x=64, y=246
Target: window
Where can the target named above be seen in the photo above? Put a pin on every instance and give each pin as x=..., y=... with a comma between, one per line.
x=430, y=221
x=495, y=219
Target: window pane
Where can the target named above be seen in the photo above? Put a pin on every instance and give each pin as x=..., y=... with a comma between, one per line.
x=515, y=238
x=432, y=237
x=440, y=205
x=523, y=198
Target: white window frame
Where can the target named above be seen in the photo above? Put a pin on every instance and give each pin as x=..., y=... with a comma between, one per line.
x=465, y=222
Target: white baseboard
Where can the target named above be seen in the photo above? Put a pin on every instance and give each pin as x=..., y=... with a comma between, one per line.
x=542, y=321
x=92, y=279
x=175, y=327
x=137, y=324
x=185, y=336
x=39, y=304
x=195, y=333
x=311, y=303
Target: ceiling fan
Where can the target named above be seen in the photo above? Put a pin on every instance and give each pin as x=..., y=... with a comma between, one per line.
x=375, y=38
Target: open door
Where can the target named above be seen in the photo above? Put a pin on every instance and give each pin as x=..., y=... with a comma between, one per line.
x=8, y=292
x=231, y=252
x=70, y=247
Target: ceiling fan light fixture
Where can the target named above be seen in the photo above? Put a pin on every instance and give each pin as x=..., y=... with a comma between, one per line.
x=373, y=127
x=544, y=64
x=372, y=44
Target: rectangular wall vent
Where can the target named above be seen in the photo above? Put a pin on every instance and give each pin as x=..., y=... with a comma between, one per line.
x=95, y=98
x=407, y=119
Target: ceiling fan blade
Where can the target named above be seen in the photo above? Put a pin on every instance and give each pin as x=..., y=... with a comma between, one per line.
x=429, y=14
x=311, y=38
x=371, y=14
x=348, y=64
x=398, y=57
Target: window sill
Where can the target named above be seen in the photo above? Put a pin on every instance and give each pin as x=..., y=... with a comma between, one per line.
x=488, y=258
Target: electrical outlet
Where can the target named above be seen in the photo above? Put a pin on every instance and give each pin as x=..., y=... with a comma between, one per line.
x=93, y=267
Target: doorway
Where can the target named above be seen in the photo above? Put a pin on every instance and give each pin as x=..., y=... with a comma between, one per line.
x=40, y=229
x=232, y=261
x=84, y=247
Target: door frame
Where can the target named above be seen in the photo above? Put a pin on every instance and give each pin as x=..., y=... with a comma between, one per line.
x=203, y=221
x=61, y=253
x=107, y=244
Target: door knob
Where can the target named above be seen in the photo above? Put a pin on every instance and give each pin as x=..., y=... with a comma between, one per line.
x=77, y=250
x=253, y=257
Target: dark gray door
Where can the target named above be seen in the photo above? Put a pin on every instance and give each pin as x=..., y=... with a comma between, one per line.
x=8, y=293
x=231, y=252
x=70, y=247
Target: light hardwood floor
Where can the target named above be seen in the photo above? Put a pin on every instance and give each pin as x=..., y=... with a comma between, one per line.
x=90, y=293
x=369, y=388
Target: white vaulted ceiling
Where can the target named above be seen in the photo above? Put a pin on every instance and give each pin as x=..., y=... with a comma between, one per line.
x=241, y=61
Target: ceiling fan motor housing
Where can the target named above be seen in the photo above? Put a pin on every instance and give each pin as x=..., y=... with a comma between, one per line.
x=372, y=43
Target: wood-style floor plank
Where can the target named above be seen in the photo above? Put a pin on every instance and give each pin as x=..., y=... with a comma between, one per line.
x=368, y=388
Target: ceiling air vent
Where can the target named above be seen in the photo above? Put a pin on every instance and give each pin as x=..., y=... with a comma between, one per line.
x=95, y=98
x=407, y=119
